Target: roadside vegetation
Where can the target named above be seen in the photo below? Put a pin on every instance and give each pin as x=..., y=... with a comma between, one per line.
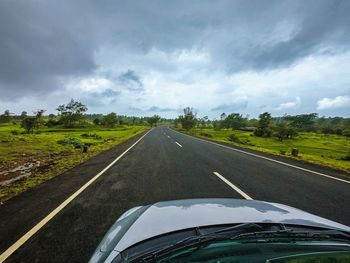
x=37, y=147
x=307, y=137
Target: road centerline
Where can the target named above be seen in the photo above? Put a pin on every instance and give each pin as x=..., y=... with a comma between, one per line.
x=9, y=251
x=233, y=186
x=266, y=158
x=178, y=144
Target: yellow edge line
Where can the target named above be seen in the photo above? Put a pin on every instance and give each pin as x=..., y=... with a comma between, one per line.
x=8, y=252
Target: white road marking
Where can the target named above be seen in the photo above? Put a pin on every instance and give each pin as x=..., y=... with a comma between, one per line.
x=178, y=144
x=269, y=159
x=233, y=186
x=44, y=221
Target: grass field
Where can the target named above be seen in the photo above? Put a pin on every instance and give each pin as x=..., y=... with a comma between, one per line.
x=50, y=152
x=327, y=150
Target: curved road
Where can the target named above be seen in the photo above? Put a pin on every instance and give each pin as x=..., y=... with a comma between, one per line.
x=163, y=165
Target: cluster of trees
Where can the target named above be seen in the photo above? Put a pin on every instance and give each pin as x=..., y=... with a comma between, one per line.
x=285, y=127
x=73, y=114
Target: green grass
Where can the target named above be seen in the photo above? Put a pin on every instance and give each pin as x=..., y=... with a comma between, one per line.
x=17, y=148
x=326, y=150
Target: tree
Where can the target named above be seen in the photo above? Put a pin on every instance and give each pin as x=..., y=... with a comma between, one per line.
x=71, y=113
x=30, y=123
x=234, y=121
x=264, y=123
x=24, y=114
x=153, y=120
x=110, y=120
x=96, y=121
x=285, y=131
x=303, y=121
x=223, y=116
x=188, y=119
x=6, y=117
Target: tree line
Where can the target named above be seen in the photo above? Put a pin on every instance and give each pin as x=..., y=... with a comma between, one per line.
x=73, y=114
x=285, y=127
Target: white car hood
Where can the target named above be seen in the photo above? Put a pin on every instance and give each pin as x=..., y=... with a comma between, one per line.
x=164, y=217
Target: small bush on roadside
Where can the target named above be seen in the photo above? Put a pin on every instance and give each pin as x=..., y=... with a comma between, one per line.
x=233, y=138
x=205, y=134
x=74, y=141
x=346, y=157
x=15, y=132
x=91, y=135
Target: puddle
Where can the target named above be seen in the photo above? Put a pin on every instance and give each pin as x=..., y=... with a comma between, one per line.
x=17, y=173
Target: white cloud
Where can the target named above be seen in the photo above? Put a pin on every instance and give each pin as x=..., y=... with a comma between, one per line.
x=290, y=105
x=337, y=102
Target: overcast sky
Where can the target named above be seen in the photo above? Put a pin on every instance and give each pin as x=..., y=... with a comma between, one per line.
x=156, y=57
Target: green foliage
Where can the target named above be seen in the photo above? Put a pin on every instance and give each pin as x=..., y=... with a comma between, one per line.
x=91, y=135
x=29, y=124
x=234, y=121
x=285, y=131
x=110, y=120
x=329, y=150
x=152, y=121
x=188, y=119
x=233, y=138
x=6, y=117
x=264, y=129
x=74, y=141
x=346, y=133
x=205, y=134
x=70, y=114
x=303, y=122
x=96, y=121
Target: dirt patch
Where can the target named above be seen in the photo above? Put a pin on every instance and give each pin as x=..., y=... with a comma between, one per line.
x=27, y=166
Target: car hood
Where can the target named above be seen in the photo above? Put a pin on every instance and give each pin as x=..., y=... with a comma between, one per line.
x=145, y=222
x=164, y=217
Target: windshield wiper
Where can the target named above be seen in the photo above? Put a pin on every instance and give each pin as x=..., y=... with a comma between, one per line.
x=248, y=232
x=200, y=238
x=293, y=235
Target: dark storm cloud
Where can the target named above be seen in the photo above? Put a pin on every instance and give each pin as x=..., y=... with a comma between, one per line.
x=41, y=42
x=45, y=43
x=132, y=80
x=108, y=96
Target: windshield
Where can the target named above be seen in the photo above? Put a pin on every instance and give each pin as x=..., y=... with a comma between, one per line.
x=233, y=251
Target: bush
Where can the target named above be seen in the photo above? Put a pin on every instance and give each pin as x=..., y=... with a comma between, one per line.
x=233, y=138
x=205, y=134
x=346, y=157
x=74, y=141
x=15, y=132
x=91, y=135
x=346, y=133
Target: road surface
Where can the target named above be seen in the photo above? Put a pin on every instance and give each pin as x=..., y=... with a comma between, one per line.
x=162, y=165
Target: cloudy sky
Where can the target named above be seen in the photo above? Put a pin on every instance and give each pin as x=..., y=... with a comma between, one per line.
x=156, y=57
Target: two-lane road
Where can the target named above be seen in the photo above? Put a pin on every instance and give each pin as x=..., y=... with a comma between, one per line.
x=166, y=165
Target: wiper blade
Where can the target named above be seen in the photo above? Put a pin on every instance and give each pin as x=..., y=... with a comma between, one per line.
x=294, y=235
x=219, y=235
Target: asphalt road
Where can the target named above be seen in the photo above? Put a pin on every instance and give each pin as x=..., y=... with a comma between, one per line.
x=163, y=165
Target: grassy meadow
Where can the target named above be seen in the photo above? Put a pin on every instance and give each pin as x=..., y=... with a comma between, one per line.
x=326, y=149
x=51, y=151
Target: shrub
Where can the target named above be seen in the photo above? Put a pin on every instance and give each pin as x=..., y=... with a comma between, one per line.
x=91, y=135
x=205, y=134
x=346, y=133
x=15, y=132
x=233, y=138
x=346, y=157
x=74, y=141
